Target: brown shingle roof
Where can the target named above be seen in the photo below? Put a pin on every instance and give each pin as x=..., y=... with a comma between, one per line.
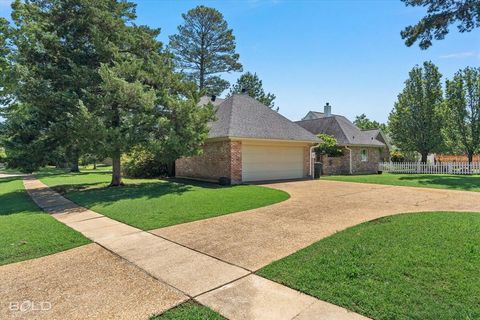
x=241, y=116
x=343, y=130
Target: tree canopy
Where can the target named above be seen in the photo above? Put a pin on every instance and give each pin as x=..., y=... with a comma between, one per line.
x=415, y=122
x=253, y=86
x=84, y=89
x=204, y=47
x=328, y=146
x=364, y=123
x=462, y=111
x=440, y=15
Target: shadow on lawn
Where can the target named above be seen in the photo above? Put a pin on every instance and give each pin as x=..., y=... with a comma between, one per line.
x=88, y=195
x=452, y=181
x=16, y=201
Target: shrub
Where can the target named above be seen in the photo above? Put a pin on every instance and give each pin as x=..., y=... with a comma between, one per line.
x=142, y=163
x=328, y=146
x=3, y=155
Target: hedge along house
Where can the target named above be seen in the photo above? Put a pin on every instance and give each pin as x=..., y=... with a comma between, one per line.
x=250, y=142
x=363, y=150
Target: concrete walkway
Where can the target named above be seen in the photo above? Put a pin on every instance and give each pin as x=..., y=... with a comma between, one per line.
x=229, y=289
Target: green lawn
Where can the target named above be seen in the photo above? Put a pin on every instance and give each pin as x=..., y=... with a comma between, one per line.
x=410, y=266
x=26, y=232
x=153, y=203
x=440, y=181
x=189, y=311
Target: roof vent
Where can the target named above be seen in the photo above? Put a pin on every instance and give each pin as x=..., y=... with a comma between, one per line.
x=244, y=90
x=214, y=97
x=327, y=110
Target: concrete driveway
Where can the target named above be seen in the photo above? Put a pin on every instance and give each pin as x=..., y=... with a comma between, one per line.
x=316, y=209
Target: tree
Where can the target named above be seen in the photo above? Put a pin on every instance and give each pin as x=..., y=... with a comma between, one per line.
x=415, y=122
x=205, y=47
x=87, y=90
x=462, y=111
x=328, y=147
x=7, y=80
x=440, y=15
x=253, y=86
x=58, y=47
x=364, y=123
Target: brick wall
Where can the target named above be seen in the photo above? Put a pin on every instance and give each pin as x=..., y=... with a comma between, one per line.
x=219, y=159
x=341, y=165
x=236, y=161
x=306, y=162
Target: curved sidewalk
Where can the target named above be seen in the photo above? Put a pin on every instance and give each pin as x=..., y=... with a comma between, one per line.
x=227, y=288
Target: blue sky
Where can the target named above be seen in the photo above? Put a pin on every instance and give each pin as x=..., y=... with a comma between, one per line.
x=348, y=53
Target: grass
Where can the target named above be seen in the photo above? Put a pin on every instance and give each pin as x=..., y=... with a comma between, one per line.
x=152, y=203
x=26, y=232
x=439, y=181
x=410, y=266
x=189, y=311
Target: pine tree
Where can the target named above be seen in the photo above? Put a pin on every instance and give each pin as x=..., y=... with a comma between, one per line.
x=205, y=47
x=253, y=86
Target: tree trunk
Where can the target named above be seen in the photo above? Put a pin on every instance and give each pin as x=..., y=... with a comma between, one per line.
x=74, y=165
x=117, y=170
x=424, y=157
x=94, y=164
x=470, y=157
x=470, y=160
x=171, y=169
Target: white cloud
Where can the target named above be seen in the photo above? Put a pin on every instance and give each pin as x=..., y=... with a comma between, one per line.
x=461, y=55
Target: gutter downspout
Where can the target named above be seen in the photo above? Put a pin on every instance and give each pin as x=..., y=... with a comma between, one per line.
x=350, y=151
x=311, y=166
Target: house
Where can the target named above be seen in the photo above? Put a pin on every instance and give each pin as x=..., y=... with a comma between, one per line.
x=250, y=142
x=363, y=150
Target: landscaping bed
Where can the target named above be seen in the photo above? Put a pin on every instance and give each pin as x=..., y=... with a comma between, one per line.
x=410, y=266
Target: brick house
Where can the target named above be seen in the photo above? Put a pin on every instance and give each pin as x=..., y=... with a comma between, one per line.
x=363, y=150
x=249, y=142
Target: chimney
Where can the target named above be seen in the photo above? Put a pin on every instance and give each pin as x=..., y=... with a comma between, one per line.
x=213, y=97
x=327, y=110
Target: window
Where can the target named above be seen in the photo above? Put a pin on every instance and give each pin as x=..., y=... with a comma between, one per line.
x=364, y=155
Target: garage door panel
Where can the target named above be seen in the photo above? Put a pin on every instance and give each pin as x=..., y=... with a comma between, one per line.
x=264, y=162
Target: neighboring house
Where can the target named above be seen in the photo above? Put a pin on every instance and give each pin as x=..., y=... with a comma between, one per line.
x=362, y=150
x=250, y=142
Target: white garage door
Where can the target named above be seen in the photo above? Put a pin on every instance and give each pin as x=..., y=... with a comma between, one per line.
x=265, y=162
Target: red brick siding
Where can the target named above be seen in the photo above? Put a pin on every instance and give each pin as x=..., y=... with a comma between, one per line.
x=236, y=161
x=306, y=162
x=341, y=165
x=219, y=159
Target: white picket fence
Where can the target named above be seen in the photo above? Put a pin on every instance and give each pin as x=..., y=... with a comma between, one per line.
x=430, y=168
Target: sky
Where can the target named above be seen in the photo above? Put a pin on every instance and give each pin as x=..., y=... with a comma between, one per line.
x=347, y=53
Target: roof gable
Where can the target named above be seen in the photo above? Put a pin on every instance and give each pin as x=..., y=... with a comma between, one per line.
x=241, y=116
x=342, y=129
